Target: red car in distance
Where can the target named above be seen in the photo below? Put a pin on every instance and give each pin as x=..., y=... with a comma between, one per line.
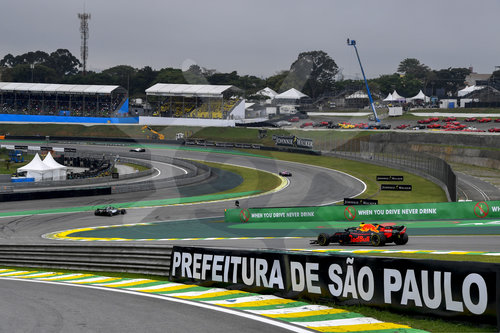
x=449, y=119
x=494, y=130
x=470, y=119
x=435, y=125
x=484, y=120
x=294, y=119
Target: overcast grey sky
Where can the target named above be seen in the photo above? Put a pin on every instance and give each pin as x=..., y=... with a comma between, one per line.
x=260, y=37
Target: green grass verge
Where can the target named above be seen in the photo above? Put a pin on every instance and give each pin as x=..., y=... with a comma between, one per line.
x=136, y=167
x=253, y=180
x=426, y=323
x=423, y=189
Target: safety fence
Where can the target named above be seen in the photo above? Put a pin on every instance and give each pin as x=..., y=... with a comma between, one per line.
x=388, y=154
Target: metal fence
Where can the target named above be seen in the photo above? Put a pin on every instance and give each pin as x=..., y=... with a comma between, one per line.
x=390, y=155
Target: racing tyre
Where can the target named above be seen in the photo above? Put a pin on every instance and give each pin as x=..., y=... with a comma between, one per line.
x=323, y=239
x=377, y=239
x=401, y=239
x=123, y=211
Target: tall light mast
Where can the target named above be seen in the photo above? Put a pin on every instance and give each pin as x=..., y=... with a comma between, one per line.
x=353, y=43
x=84, y=31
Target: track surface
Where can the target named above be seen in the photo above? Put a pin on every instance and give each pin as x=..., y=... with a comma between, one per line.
x=55, y=308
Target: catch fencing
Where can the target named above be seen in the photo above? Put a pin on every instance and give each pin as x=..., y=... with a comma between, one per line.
x=390, y=155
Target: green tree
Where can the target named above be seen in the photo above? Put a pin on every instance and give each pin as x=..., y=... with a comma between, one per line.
x=450, y=79
x=313, y=72
x=413, y=67
x=170, y=75
x=194, y=75
x=63, y=62
x=275, y=81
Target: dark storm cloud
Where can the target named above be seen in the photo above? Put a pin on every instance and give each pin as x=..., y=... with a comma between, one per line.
x=260, y=37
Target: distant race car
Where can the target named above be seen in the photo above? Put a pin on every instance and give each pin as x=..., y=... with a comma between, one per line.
x=366, y=234
x=109, y=211
x=138, y=150
x=285, y=173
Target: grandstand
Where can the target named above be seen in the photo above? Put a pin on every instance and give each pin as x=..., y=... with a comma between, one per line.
x=62, y=99
x=192, y=100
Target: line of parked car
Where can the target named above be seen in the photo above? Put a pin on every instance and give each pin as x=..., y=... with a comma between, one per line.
x=450, y=124
x=445, y=123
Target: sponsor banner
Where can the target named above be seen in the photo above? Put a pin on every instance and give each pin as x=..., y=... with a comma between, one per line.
x=392, y=187
x=390, y=178
x=351, y=201
x=426, y=286
x=403, y=212
x=292, y=141
x=45, y=148
x=70, y=150
x=21, y=147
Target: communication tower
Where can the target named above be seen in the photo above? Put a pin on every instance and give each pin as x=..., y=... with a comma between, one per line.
x=84, y=31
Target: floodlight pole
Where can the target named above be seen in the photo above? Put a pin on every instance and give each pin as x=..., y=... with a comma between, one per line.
x=353, y=43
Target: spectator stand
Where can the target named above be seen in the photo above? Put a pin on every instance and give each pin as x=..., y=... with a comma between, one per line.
x=192, y=101
x=63, y=99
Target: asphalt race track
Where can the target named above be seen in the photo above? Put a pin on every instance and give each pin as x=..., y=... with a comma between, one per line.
x=55, y=308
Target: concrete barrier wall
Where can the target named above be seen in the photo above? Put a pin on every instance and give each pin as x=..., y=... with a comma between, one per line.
x=164, y=121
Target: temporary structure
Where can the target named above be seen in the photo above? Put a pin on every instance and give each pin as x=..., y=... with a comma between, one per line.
x=37, y=169
x=396, y=97
x=389, y=98
x=59, y=170
x=358, y=95
x=468, y=90
x=420, y=96
x=291, y=94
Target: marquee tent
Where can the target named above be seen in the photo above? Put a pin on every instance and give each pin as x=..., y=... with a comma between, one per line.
x=389, y=98
x=420, y=96
x=37, y=169
x=59, y=170
x=291, y=94
x=397, y=97
x=267, y=92
x=358, y=95
x=468, y=90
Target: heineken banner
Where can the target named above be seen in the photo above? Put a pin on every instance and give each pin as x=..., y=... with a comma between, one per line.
x=442, y=288
x=405, y=212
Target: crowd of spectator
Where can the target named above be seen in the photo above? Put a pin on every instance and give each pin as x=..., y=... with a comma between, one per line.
x=65, y=105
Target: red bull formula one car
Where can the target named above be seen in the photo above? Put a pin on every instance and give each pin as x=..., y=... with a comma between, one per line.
x=366, y=234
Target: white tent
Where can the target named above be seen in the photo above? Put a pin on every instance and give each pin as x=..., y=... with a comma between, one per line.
x=397, y=97
x=358, y=95
x=292, y=94
x=37, y=169
x=267, y=92
x=59, y=170
x=468, y=90
x=420, y=96
x=389, y=98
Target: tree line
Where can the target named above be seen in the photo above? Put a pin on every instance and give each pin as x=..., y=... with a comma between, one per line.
x=314, y=73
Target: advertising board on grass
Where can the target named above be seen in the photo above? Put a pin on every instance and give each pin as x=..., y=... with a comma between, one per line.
x=374, y=213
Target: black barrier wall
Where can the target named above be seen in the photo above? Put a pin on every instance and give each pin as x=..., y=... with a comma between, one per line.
x=51, y=194
x=441, y=288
